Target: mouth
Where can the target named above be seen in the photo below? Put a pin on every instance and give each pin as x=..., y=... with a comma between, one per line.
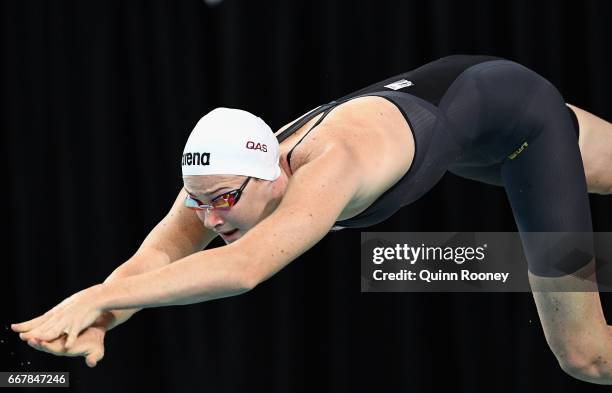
x=228, y=233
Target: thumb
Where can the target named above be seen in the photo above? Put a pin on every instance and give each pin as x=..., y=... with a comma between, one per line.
x=93, y=358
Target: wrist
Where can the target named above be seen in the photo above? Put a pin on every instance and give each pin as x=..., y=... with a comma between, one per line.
x=105, y=321
x=101, y=298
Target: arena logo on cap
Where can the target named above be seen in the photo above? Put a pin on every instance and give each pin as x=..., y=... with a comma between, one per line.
x=196, y=159
x=256, y=146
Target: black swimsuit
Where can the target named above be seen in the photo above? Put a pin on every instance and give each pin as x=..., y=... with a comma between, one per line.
x=487, y=119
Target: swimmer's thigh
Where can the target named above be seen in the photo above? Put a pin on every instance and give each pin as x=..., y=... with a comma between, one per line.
x=547, y=190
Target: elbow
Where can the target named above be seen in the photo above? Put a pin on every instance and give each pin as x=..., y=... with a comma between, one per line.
x=249, y=281
x=252, y=274
x=587, y=371
x=585, y=366
x=241, y=277
x=235, y=284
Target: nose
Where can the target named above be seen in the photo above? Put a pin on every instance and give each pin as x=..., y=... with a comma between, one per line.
x=211, y=218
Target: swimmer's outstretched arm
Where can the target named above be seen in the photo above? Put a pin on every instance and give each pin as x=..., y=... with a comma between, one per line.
x=178, y=234
x=574, y=325
x=316, y=195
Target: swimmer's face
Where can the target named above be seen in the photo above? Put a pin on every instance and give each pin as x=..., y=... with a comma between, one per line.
x=258, y=200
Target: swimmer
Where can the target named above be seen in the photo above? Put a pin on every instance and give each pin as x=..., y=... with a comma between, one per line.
x=353, y=163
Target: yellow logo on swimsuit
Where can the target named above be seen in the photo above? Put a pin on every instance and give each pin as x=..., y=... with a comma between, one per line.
x=518, y=151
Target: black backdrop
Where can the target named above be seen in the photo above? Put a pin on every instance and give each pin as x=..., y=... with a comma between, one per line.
x=98, y=98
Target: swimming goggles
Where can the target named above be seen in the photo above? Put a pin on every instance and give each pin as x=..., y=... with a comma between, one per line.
x=221, y=202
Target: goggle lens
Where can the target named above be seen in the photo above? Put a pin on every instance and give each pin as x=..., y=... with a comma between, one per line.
x=222, y=202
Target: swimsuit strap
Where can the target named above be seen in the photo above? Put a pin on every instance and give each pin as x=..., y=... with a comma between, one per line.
x=326, y=109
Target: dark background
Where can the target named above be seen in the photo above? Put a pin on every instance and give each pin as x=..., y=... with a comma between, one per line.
x=98, y=98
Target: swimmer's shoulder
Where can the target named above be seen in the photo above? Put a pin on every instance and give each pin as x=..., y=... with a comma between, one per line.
x=375, y=133
x=365, y=124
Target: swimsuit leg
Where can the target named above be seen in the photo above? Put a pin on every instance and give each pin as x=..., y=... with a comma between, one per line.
x=516, y=131
x=547, y=190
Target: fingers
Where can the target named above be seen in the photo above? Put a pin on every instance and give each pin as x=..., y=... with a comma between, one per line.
x=90, y=345
x=23, y=337
x=32, y=335
x=51, y=333
x=55, y=347
x=35, y=334
x=72, y=336
x=77, y=325
x=69, y=317
x=50, y=330
x=34, y=344
x=29, y=325
x=33, y=323
x=93, y=358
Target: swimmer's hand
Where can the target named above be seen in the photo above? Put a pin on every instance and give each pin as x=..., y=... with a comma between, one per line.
x=73, y=315
x=89, y=344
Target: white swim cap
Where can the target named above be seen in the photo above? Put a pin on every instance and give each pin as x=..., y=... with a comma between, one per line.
x=231, y=142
